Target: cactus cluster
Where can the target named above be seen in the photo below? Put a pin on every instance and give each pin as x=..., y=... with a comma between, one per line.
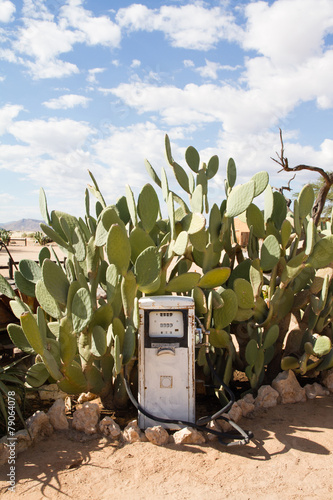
x=83, y=332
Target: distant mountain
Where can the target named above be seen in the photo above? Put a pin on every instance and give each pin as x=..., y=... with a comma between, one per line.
x=26, y=225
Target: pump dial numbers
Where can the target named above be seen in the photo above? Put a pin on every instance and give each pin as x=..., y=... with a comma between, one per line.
x=166, y=324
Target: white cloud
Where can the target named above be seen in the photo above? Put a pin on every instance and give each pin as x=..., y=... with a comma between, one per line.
x=199, y=104
x=188, y=63
x=7, y=10
x=41, y=40
x=67, y=101
x=211, y=69
x=44, y=40
x=9, y=56
x=190, y=26
x=55, y=68
x=136, y=63
x=5, y=198
x=7, y=114
x=122, y=151
x=91, y=78
x=54, y=137
x=288, y=32
x=38, y=9
x=96, y=30
x=304, y=82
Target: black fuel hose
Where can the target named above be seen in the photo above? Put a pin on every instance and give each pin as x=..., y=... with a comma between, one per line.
x=243, y=437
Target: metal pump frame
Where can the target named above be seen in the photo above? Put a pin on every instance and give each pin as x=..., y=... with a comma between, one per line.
x=242, y=437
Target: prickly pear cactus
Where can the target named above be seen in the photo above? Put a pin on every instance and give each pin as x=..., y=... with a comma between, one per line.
x=83, y=333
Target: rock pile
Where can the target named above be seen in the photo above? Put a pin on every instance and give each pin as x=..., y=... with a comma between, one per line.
x=86, y=419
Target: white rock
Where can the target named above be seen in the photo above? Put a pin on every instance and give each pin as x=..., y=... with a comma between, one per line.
x=132, y=432
x=157, y=435
x=224, y=424
x=246, y=404
x=85, y=419
x=188, y=435
x=314, y=390
x=23, y=441
x=57, y=415
x=68, y=403
x=10, y=448
x=235, y=412
x=328, y=380
x=86, y=396
x=109, y=428
x=4, y=451
x=39, y=426
x=288, y=387
x=267, y=397
x=50, y=392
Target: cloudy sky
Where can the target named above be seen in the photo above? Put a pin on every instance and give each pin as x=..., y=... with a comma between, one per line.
x=97, y=84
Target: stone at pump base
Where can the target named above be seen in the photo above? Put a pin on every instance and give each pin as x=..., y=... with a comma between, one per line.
x=51, y=392
x=314, y=390
x=235, y=412
x=132, y=433
x=23, y=441
x=39, y=426
x=328, y=380
x=224, y=424
x=4, y=451
x=86, y=396
x=109, y=428
x=86, y=419
x=57, y=415
x=215, y=426
x=188, y=435
x=288, y=387
x=267, y=397
x=246, y=404
x=157, y=435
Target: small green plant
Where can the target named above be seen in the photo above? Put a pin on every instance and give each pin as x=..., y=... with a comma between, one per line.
x=41, y=238
x=5, y=236
x=12, y=392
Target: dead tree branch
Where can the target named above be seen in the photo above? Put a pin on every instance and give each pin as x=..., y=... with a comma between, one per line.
x=323, y=192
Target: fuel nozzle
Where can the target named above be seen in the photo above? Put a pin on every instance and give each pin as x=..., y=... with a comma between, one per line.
x=202, y=335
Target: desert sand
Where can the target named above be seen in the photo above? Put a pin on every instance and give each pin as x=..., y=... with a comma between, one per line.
x=289, y=458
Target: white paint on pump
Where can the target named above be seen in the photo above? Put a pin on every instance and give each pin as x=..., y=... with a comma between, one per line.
x=166, y=359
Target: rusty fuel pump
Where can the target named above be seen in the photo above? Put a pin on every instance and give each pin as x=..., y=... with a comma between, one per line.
x=166, y=365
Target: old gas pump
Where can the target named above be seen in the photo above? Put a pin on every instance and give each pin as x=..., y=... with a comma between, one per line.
x=166, y=385
x=166, y=359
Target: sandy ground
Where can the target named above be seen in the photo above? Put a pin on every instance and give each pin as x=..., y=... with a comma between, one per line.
x=18, y=252
x=289, y=458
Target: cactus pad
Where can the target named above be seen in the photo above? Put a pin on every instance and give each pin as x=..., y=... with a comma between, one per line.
x=214, y=277
x=244, y=292
x=118, y=248
x=305, y=200
x=148, y=207
x=270, y=253
x=192, y=158
x=239, y=199
x=147, y=268
x=183, y=283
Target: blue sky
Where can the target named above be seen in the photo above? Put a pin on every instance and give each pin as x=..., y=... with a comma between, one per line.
x=97, y=84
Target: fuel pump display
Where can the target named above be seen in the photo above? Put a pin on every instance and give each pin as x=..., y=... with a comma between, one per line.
x=166, y=359
x=166, y=324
